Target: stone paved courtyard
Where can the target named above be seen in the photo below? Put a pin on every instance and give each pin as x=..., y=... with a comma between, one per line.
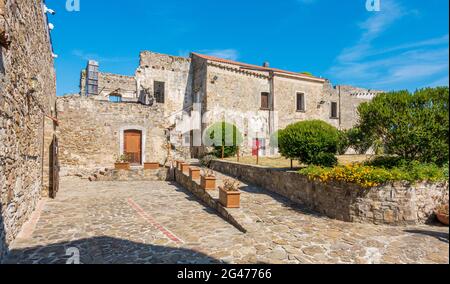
x=159, y=222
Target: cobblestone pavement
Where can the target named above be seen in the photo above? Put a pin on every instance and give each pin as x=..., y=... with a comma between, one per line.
x=159, y=222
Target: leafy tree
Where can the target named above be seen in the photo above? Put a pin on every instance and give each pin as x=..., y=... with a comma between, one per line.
x=359, y=140
x=224, y=137
x=412, y=126
x=312, y=142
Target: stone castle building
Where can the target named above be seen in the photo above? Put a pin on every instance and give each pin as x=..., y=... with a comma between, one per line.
x=148, y=115
x=27, y=115
x=166, y=90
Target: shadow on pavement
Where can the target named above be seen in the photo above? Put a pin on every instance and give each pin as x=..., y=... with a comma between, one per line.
x=107, y=250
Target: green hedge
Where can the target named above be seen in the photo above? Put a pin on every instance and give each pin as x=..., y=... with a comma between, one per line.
x=312, y=142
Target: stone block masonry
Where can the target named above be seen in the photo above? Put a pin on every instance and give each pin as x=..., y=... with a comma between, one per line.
x=392, y=204
x=27, y=97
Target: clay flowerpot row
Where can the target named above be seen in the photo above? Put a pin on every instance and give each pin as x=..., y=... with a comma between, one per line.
x=229, y=199
x=127, y=166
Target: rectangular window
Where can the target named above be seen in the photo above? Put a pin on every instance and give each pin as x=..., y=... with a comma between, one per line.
x=334, y=110
x=159, y=91
x=264, y=100
x=115, y=98
x=300, y=102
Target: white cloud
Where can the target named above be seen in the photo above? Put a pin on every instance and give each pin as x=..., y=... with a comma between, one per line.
x=230, y=54
x=391, y=67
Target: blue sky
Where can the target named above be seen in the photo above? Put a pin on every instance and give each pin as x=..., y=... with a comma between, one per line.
x=404, y=46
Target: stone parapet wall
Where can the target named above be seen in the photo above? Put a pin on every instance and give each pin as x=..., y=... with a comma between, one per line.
x=207, y=198
x=397, y=203
x=161, y=174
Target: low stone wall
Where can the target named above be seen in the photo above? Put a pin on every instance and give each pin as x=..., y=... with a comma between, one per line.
x=161, y=174
x=194, y=187
x=397, y=203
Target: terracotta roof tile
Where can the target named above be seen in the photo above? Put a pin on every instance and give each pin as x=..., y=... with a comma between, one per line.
x=251, y=66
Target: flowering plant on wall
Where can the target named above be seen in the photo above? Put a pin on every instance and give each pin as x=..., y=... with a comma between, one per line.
x=122, y=159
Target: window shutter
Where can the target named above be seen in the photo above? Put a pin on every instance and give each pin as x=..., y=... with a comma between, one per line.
x=265, y=100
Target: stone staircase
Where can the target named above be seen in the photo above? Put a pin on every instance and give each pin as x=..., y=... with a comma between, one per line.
x=134, y=174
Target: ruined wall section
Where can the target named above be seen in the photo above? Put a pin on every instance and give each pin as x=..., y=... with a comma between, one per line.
x=112, y=84
x=177, y=75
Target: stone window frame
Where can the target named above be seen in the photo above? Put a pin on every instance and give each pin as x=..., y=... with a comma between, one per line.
x=160, y=98
x=261, y=102
x=304, y=101
x=337, y=110
x=143, y=131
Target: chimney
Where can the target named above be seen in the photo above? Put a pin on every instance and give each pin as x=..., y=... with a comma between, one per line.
x=266, y=64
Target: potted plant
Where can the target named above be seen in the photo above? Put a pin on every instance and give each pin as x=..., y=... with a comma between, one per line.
x=184, y=167
x=442, y=214
x=151, y=166
x=229, y=194
x=208, y=180
x=194, y=173
x=179, y=162
x=122, y=163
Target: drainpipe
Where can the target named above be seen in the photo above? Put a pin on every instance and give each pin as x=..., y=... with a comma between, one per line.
x=272, y=103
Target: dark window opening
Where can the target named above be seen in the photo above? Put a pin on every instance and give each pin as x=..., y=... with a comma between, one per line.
x=264, y=100
x=334, y=110
x=300, y=102
x=115, y=98
x=159, y=88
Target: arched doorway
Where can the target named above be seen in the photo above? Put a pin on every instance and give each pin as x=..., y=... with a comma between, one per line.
x=132, y=146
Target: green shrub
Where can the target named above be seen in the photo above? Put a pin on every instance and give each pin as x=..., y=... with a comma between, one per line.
x=387, y=162
x=309, y=141
x=325, y=159
x=412, y=126
x=446, y=170
x=344, y=142
x=359, y=141
x=223, y=134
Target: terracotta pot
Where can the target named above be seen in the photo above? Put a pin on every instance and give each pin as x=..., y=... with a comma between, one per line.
x=230, y=199
x=151, y=166
x=443, y=218
x=208, y=183
x=185, y=167
x=194, y=173
x=179, y=165
x=122, y=166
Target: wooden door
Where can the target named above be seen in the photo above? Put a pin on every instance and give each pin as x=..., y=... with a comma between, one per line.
x=54, y=171
x=133, y=146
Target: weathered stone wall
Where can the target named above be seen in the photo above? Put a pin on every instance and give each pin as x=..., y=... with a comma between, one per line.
x=351, y=99
x=90, y=132
x=393, y=204
x=112, y=84
x=286, y=101
x=231, y=94
x=27, y=95
x=175, y=72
